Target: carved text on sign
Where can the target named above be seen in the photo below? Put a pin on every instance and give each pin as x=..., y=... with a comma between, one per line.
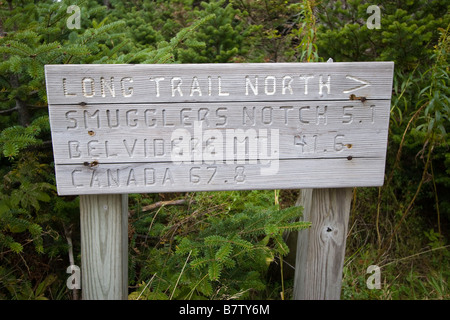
x=164, y=128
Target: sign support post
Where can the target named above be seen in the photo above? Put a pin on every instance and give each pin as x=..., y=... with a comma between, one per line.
x=321, y=248
x=104, y=246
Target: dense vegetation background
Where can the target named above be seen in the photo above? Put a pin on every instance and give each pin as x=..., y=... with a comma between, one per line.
x=234, y=240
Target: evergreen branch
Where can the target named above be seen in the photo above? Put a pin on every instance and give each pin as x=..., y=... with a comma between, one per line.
x=15, y=47
x=158, y=204
x=219, y=241
x=164, y=54
x=92, y=33
x=117, y=48
x=46, y=48
x=9, y=110
x=199, y=262
x=174, y=42
x=214, y=270
x=224, y=252
x=256, y=222
x=294, y=226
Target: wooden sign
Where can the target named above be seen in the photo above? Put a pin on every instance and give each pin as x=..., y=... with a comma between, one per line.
x=169, y=128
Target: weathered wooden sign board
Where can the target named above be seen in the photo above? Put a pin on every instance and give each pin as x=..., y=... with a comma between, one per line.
x=168, y=128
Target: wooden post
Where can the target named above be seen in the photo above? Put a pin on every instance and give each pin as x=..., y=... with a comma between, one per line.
x=104, y=246
x=321, y=248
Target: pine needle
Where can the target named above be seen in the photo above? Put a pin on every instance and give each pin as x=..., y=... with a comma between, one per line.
x=181, y=273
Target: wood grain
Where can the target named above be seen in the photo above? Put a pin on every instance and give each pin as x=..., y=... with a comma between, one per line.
x=217, y=82
x=321, y=248
x=305, y=130
x=142, y=118
x=169, y=177
x=104, y=247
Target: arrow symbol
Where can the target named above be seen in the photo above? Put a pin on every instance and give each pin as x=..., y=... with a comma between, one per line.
x=364, y=84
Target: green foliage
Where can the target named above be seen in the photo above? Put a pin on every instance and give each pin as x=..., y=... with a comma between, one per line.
x=436, y=93
x=279, y=30
x=411, y=210
x=166, y=51
x=421, y=276
x=31, y=36
x=220, y=39
x=227, y=251
x=25, y=291
x=406, y=30
x=306, y=33
x=16, y=138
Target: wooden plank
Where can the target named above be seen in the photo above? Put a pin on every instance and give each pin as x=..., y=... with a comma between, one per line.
x=75, y=84
x=147, y=118
x=234, y=145
x=321, y=248
x=140, y=118
x=104, y=246
x=169, y=177
x=149, y=133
